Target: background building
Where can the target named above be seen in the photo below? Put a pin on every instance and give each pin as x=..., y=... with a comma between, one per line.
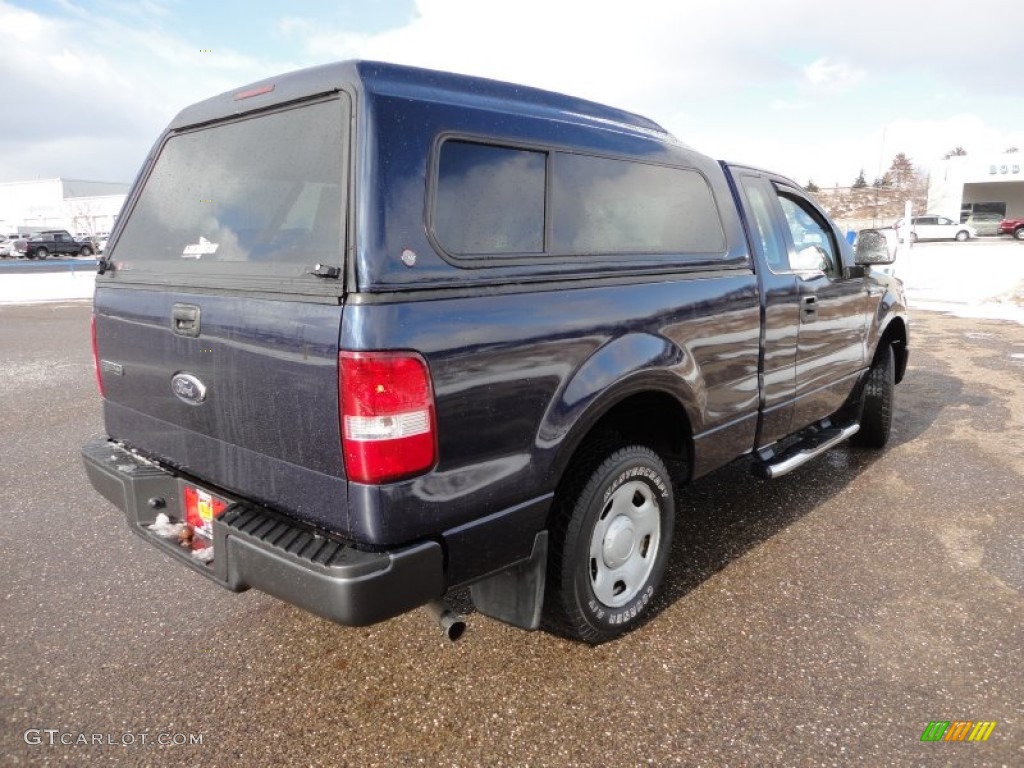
x=969, y=186
x=81, y=207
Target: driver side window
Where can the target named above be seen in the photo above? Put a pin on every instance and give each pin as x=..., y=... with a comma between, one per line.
x=814, y=244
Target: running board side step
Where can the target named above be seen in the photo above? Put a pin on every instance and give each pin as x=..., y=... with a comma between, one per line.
x=804, y=451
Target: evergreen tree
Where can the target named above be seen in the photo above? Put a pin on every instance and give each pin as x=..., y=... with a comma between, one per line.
x=810, y=186
x=860, y=182
x=902, y=171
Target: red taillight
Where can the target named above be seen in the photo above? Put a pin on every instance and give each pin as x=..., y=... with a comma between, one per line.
x=387, y=415
x=96, y=359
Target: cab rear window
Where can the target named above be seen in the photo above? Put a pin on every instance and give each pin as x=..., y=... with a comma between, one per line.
x=258, y=196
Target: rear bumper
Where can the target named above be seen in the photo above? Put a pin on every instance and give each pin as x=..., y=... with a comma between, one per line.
x=257, y=547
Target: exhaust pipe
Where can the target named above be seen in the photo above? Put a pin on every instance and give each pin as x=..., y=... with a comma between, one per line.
x=451, y=623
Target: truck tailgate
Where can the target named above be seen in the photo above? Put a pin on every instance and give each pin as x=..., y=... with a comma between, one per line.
x=266, y=425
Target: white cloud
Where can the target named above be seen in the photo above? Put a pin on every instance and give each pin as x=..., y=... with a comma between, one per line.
x=100, y=90
x=931, y=139
x=788, y=105
x=826, y=74
x=592, y=49
x=781, y=84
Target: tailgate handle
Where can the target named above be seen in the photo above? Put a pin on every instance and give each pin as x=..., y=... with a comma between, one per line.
x=185, y=319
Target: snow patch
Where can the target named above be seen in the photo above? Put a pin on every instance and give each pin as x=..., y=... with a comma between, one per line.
x=981, y=279
x=48, y=286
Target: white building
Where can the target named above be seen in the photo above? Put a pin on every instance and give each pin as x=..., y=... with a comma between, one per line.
x=81, y=207
x=992, y=184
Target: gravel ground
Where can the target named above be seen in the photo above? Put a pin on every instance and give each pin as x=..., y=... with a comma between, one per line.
x=821, y=619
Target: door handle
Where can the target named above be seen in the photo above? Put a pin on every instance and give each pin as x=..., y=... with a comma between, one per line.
x=185, y=319
x=810, y=307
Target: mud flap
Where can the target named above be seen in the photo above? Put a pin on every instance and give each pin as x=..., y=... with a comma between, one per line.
x=516, y=595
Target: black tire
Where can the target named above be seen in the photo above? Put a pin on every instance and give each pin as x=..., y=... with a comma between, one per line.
x=913, y=237
x=963, y=236
x=40, y=253
x=877, y=402
x=1019, y=234
x=612, y=524
x=86, y=251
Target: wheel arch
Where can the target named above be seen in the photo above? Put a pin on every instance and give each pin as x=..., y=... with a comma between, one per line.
x=895, y=335
x=649, y=415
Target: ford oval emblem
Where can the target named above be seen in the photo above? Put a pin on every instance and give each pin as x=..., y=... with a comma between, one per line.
x=188, y=388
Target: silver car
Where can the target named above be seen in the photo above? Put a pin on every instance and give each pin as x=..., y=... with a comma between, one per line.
x=985, y=223
x=7, y=250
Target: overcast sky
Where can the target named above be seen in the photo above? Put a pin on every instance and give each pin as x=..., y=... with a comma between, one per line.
x=809, y=88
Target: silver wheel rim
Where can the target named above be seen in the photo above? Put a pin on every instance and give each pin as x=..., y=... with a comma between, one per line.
x=624, y=544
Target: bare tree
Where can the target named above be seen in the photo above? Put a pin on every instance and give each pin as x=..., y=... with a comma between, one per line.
x=83, y=218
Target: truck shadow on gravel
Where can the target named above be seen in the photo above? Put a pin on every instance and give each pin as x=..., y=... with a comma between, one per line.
x=724, y=515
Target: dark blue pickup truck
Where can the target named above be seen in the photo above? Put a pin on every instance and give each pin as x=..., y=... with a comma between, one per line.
x=366, y=334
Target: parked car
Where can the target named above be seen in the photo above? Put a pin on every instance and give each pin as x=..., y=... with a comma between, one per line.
x=7, y=245
x=92, y=241
x=465, y=333
x=1013, y=227
x=984, y=223
x=930, y=227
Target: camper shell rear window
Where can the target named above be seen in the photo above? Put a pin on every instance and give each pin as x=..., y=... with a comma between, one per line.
x=261, y=196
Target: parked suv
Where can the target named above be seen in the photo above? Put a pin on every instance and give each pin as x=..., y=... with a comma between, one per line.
x=464, y=333
x=1013, y=227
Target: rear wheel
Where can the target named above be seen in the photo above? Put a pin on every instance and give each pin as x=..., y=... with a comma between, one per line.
x=1019, y=234
x=611, y=535
x=961, y=236
x=876, y=402
x=86, y=251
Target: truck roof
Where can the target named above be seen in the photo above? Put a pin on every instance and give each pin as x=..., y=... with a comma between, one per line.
x=369, y=78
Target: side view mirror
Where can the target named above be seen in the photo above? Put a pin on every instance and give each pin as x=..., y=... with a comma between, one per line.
x=873, y=247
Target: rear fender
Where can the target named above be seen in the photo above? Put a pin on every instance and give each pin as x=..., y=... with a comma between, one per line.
x=629, y=365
